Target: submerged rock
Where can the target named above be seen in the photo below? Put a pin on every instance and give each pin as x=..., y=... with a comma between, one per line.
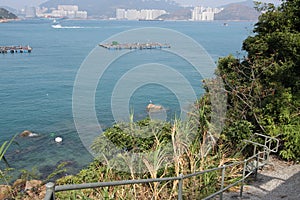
x=25, y=133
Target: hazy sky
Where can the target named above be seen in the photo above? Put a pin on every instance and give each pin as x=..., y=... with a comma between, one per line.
x=213, y=3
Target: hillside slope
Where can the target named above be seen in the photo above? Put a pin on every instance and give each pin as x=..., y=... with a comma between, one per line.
x=5, y=14
x=238, y=12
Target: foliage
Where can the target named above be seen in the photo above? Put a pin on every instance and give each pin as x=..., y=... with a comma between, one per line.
x=263, y=88
x=59, y=169
x=136, y=137
x=188, y=154
x=3, y=149
x=29, y=174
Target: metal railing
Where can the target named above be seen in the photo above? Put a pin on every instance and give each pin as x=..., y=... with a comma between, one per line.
x=271, y=144
x=254, y=160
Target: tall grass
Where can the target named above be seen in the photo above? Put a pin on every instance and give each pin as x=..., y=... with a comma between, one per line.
x=3, y=149
x=181, y=148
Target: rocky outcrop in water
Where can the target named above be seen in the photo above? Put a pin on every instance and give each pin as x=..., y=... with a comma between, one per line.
x=28, y=133
x=153, y=107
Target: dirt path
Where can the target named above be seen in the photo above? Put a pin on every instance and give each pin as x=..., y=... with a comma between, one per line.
x=279, y=180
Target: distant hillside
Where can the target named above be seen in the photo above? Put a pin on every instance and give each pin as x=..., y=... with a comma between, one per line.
x=10, y=9
x=238, y=11
x=180, y=14
x=5, y=14
x=249, y=3
x=108, y=8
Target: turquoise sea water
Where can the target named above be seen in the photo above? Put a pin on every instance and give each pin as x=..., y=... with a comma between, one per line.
x=36, y=88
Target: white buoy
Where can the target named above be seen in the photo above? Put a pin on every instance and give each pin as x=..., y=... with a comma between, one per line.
x=58, y=139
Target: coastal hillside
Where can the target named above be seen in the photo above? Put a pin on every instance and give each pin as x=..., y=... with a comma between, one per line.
x=5, y=14
x=238, y=11
x=108, y=8
x=105, y=9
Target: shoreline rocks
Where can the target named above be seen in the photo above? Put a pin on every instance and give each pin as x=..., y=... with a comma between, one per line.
x=5, y=191
x=29, y=189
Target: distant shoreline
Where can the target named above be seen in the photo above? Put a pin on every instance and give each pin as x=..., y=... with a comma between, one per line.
x=8, y=20
x=98, y=19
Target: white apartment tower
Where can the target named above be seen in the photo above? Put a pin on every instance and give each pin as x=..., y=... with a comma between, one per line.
x=132, y=14
x=200, y=13
x=120, y=14
x=68, y=7
x=144, y=14
x=70, y=11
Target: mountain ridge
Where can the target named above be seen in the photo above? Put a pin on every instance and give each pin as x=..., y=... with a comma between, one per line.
x=238, y=11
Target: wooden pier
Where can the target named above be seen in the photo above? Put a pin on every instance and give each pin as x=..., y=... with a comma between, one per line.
x=15, y=49
x=150, y=45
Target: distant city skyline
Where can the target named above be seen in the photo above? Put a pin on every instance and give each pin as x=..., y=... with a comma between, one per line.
x=21, y=3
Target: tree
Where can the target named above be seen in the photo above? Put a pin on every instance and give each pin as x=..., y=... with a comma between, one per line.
x=263, y=88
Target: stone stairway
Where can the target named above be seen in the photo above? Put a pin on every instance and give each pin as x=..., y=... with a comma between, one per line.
x=279, y=180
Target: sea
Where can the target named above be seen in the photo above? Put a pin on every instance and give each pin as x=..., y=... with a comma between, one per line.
x=36, y=89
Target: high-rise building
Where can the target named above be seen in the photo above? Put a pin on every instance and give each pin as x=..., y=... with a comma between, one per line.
x=81, y=14
x=69, y=11
x=68, y=7
x=120, y=14
x=30, y=12
x=132, y=14
x=144, y=14
x=200, y=13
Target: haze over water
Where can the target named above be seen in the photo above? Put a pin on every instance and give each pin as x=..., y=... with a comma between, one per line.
x=36, y=88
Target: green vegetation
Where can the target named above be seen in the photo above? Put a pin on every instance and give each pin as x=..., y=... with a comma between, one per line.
x=263, y=96
x=263, y=88
x=5, y=14
x=169, y=151
x=115, y=43
x=3, y=148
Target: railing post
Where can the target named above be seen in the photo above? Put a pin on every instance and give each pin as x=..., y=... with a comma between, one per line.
x=222, y=181
x=50, y=192
x=256, y=166
x=269, y=149
x=265, y=148
x=180, y=185
x=243, y=180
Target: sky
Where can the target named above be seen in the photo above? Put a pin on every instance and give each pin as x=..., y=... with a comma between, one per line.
x=212, y=3
x=216, y=3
